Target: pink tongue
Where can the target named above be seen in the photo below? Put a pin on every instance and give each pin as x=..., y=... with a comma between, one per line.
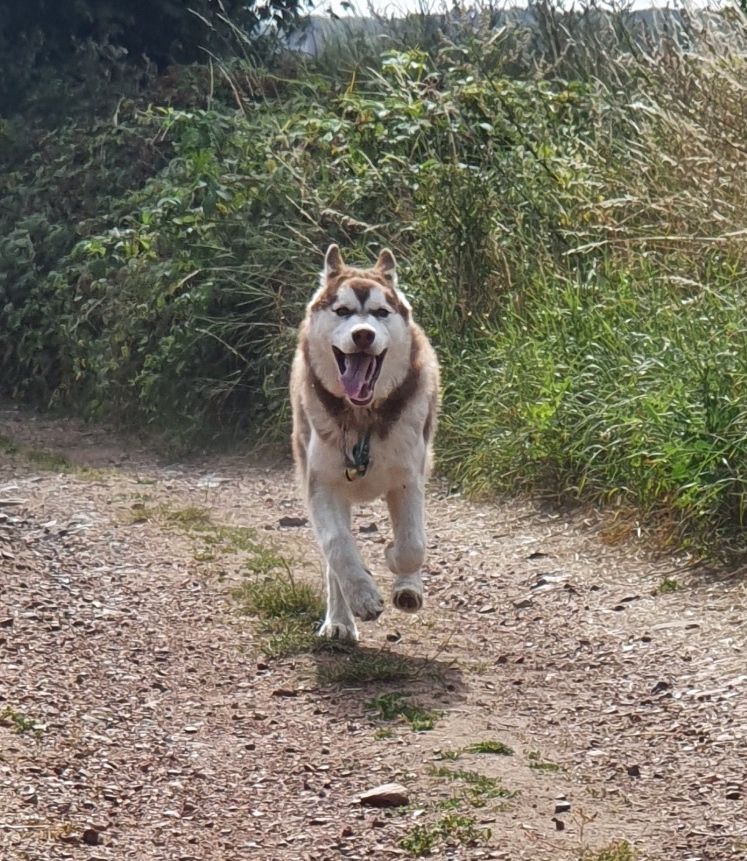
x=354, y=380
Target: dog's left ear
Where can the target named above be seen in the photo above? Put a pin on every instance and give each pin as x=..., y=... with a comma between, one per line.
x=387, y=265
x=332, y=261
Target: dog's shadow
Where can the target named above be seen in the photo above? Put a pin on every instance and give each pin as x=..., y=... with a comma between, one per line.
x=369, y=675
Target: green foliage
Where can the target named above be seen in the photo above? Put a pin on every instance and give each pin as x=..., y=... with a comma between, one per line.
x=478, y=788
x=396, y=706
x=18, y=722
x=667, y=586
x=616, y=851
x=453, y=829
x=39, y=38
x=288, y=611
x=354, y=666
x=496, y=747
x=536, y=762
x=569, y=220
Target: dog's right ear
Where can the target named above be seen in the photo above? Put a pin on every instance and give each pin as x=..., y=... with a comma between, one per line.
x=332, y=261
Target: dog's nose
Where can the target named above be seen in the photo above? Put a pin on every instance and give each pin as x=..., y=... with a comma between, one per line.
x=363, y=337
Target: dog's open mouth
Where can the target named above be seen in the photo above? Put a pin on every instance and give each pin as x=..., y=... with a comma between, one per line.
x=358, y=375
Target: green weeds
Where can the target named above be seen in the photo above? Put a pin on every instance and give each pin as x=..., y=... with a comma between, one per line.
x=617, y=851
x=396, y=706
x=451, y=830
x=212, y=537
x=478, y=789
x=667, y=586
x=556, y=236
x=536, y=762
x=449, y=755
x=19, y=722
x=288, y=612
x=490, y=746
x=495, y=747
x=44, y=459
x=350, y=667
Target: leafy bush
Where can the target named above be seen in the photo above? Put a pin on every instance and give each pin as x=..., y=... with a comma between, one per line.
x=573, y=243
x=39, y=38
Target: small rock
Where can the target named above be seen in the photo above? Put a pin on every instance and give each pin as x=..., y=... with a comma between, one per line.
x=288, y=522
x=91, y=837
x=634, y=771
x=559, y=824
x=386, y=795
x=562, y=807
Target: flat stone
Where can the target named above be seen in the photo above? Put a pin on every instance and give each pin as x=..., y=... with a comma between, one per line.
x=386, y=795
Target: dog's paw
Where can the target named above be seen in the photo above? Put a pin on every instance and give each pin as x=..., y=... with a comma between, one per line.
x=345, y=632
x=407, y=594
x=364, y=599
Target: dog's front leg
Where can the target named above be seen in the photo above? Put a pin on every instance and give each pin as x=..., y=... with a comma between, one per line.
x=406, y=554
x=339, y=623
x=350, y=586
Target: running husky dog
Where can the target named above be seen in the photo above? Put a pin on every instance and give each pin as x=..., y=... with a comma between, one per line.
x=364, y=391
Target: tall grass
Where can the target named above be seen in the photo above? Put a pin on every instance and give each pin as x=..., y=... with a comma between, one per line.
x=566, y=195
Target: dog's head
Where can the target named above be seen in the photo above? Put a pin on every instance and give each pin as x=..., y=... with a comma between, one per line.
x=359, y=329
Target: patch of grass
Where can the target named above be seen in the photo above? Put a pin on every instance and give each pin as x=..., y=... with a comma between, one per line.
x=539, y=764
x=396, y=706
x=450, y=755
x=455, y=802
x=384, y=732
x=44, y=459
x=453, y=829
x=237, y=539
x=199, y=523
x=278, y=596
x=190, y=517
x=667, y=586
x=617, y=851
x=496, y=747
x=359, y=667
x=479, y=788
x=288, y=611
x=7, y=445
x=19, y=722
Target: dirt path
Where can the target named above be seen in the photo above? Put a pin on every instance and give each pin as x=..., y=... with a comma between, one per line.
x=139, y=718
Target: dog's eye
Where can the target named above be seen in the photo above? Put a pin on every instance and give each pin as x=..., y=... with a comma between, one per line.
x=343, y=312
x=381, y=313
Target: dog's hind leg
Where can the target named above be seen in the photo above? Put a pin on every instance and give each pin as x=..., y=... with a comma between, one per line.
x=338, y=623
x=406, y=554
x=330, y=515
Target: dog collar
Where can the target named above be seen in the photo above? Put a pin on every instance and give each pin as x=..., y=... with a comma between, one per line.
x=357, y=466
